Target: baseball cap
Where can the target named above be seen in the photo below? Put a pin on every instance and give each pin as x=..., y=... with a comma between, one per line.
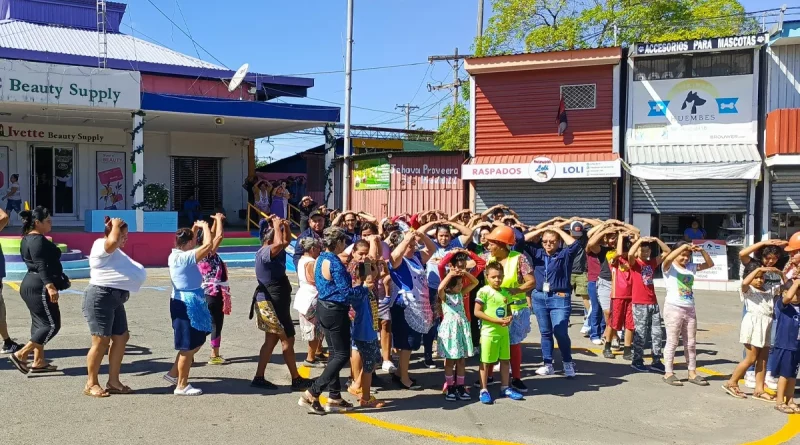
x=576, y=228
x=315, y=213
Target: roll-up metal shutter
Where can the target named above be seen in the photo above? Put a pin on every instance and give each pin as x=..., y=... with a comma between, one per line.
x=695, y=196
x=785, y=193
x=537, y=202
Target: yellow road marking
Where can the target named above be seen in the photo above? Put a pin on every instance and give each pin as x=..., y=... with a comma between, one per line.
x=783, y=435
x=13, y=285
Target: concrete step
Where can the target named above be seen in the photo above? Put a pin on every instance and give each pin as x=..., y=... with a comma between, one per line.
x=232, y=256
x=237, y=249
x=18, y=275
x=241, y=263
x=67, y=265
x=66, y=256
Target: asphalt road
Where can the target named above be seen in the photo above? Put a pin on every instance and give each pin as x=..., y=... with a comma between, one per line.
x=607, y=403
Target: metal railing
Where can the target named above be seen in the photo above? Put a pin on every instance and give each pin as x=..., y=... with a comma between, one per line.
x=255, y=212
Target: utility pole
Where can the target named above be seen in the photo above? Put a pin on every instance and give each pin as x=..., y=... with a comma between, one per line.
x=455, y=62
x=348, y=89
x=407, y=110
x=480, y=18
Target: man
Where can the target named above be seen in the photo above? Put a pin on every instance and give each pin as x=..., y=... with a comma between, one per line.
x=306, y=207
x=192, y=209
x=316, y=224
x=9, y=346
x=580, y=280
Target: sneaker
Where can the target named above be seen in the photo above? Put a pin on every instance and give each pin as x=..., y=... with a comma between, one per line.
x=615, y=343
x=511, y=393
x=639, y=366
x=476, y=351
x=451, y=395
x=429, y=363
x=188, y=391
x=313, y=363
x=597, y=342
x=750, y=379
x=388, y=366
x=585, y=331
x=485, y=397
x=657, y=367
x=172, y=380
x=496, y=368
x=627, y=354
x=338, y=406
x=607, y=353
x=462, y=393
x=771, y=382
x=301, y=384
x=519, y=385
x=569, y=369
x=314, y=407
x=477, y=383
x=217, y=361
x=547, y=369
x=10, y=347
x=261, y=382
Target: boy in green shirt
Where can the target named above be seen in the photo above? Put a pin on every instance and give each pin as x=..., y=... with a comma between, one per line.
x=491, y=307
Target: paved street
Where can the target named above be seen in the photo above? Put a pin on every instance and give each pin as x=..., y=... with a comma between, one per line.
x=607, y=403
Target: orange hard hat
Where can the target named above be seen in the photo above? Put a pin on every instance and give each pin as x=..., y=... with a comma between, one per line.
x=502, y=235
x=794, y=243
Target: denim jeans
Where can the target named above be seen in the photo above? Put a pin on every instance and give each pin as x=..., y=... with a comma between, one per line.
x=596, y=321
x=552, y=315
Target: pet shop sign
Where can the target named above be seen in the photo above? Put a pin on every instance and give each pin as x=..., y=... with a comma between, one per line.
x=542, y=169
x=697, y=110
x=718, y=251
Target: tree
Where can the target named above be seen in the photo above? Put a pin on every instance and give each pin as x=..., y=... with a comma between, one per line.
x=552, y=25
x=260, y=164
x=453, y=133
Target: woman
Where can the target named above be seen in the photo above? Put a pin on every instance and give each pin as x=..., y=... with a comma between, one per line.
x=306, y=206
x=263, y=194
x=215, y=287
x=191, y=320
x=39, y=288
x=273, y=301
x=305, y=301
x=443, y=242
x=337, y=292
x=113, y=276
x=280, y=198
x=411, y=313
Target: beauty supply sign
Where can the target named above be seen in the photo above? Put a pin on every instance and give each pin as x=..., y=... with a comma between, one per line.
x=43, y=83
x=714, y=110
x=64, y=134
x=542, y=169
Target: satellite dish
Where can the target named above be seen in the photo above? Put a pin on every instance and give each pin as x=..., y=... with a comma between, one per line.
x=237, y=78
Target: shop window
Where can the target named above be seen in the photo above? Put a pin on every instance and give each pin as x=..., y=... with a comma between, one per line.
x=579, y=97
x=727, y=63
x=198, y=177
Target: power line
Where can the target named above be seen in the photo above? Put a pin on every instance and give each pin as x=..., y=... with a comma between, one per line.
x=371, y=68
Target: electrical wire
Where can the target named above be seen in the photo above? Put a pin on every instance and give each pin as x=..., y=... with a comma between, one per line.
x=371, y=68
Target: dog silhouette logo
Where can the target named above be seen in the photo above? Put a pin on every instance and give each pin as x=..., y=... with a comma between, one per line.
x=695, y=100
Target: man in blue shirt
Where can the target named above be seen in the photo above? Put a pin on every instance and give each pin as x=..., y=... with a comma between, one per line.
x=192, y=209
x=552, y=269
x=316, y=224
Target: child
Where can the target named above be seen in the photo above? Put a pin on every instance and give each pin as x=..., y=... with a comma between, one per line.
x=787, y=349
x=366, y=351
x=646, y=312
x=621, y=310
x=756, y=328
x=492, y=308
x=455, y=339
x=305, y=302
x=679, y=313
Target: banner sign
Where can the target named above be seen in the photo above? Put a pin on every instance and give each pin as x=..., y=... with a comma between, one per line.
x=371, y=174
x=59, y=133
x=718, y=251
x=539, y=168
x=712, y=44
x=699, y=110
x=44, y=83
x=111, y=180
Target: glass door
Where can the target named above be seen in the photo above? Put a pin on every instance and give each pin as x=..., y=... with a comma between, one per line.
x=53, y=179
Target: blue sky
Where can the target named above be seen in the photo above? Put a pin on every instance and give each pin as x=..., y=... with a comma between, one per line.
x=308, y=36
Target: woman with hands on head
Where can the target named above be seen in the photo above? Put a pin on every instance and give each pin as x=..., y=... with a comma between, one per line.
x=680, y=317
x=215, y=286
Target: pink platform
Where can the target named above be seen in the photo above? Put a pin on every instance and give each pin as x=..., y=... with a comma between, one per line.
x=149, y=249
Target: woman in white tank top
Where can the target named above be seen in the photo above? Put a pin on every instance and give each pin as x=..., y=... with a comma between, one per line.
x=305, y=301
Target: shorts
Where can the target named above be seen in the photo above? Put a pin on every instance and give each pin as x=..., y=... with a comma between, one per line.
x=495, y=348
x=622, y=314
x=104, y=310
x=403, y=337
x=13, y=205
x=279, y=293
x=370, y=352
x=787, y=363
x=580, y=284
x=186, y=337
x=604, y=294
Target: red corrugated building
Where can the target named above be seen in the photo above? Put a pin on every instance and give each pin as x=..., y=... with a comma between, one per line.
x=545, y=133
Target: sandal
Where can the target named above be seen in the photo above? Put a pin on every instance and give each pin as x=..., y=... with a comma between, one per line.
x=697, y=380
x=21, y=367
x=735, y=391
x=354, y=391
x=794, y=407
x=119, y=391
x=99, y=394
x=672, y=380
x=371, y=403
x=784, y=408
x=43, y=369
x=764, y=397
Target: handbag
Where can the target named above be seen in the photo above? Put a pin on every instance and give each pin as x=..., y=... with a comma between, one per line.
x=61, y=282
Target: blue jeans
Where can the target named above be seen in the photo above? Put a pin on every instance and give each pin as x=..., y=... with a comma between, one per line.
x=597, y=324
x=552, y=315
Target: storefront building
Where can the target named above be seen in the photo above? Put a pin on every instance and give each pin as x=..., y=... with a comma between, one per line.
x=692, y=141
x=544, y=136
x=781, y=202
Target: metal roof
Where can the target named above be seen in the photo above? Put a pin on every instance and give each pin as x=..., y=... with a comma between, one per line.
x=558, y=158
x=26, y=36
x=692, y=154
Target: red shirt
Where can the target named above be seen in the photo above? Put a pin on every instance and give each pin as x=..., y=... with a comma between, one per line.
x=592, y=266
x=643, y=290
x=623, y=279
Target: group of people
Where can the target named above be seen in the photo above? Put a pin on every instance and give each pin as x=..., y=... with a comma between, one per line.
x=454, y=286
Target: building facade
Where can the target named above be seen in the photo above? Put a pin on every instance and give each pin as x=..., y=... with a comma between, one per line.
x=544, y=136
